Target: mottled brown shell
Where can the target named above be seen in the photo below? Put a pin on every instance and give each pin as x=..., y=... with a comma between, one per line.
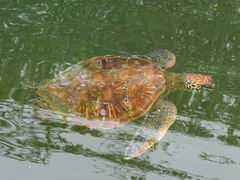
x=105, y=91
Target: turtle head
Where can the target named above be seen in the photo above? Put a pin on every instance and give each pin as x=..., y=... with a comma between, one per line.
x=198, y=82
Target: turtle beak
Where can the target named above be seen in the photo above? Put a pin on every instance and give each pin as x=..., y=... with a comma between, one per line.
x=209, y=84
x=205, y=81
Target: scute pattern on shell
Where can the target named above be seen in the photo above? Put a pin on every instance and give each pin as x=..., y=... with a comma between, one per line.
x=105, y=91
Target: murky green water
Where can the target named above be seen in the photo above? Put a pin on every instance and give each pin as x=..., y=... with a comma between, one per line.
x=39, y=39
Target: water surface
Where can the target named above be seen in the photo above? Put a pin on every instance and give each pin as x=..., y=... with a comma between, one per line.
x=39, y=39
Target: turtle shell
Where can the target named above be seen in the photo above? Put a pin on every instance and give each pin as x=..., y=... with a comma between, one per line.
x=105, y=92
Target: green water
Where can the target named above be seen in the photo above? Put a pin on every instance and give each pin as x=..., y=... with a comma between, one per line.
x=39, y=39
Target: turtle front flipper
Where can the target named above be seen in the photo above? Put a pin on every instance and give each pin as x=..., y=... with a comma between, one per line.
x=153, y=128
x=164, y=58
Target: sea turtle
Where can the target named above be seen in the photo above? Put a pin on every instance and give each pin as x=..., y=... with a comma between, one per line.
x=110, y=91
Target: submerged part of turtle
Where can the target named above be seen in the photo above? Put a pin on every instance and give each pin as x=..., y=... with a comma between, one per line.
x=110, y=91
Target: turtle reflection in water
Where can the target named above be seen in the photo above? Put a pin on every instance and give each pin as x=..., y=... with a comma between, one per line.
x=110, y=91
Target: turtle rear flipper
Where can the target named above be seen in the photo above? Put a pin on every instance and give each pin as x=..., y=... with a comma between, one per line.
x=34, y=112
x=33, y=84
x=29, y=116
x=154, y=127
